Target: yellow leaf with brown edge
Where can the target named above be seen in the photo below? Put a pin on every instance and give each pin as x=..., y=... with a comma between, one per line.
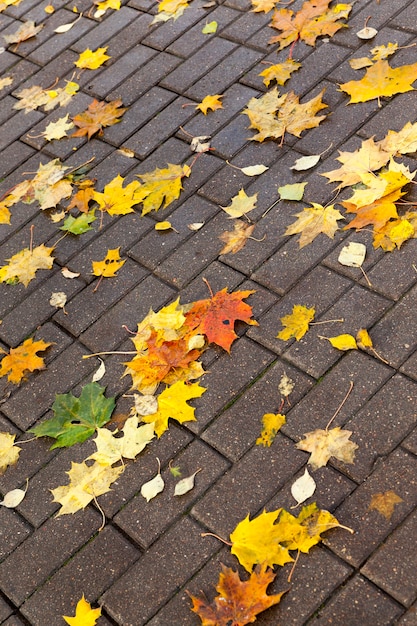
x=84, y=614
x=306, y=529
x=296, y=323
x=22, y=360
x=385, y=503
x=109, y=265
x=401, y=142
x=9, y=452
x=381, y=80
x=280, y=72
x=315, y=220
x=325, y=444
x=210, y=102
x=394, y=234
x=271, y=424
x=236, y=239
x=92, y=60
x=238, y=602
x=23, y=265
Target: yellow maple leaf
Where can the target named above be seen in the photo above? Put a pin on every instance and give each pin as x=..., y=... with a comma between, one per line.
x=271, y=423
x=109, y=265
x=22, y=360
x=394, y=234
x=170, y=10
x=381, y=80
x=241, y=204
x=92, y=60
x=236, y=239
x=210, y=102
x=306, y=529
x=280, y=72
x=161, y=186
x=369, y=157
x=315, y=220
x=108, y=4
x=296, y=324
x=383, y=52
x=5, y=81
x=314, y=19
x=401, y=142
x=23, y=265
x=58, y=129
x=9, y=452
x=84, y=614
x=116, y=199
x=4, y=214
x=111, y=447
x=324, y=444
x=86, y=483
x=262, y=6
x=384, y=503
x=172, y=403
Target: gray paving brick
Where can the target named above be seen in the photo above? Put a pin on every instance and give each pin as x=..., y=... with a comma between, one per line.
x=185, y=550
x=218, y=276
x=246, y=26
x=44, y=552
x=371, y=527
x=13, y=156
x=162, y=36
x=124, y=20
x=392, y=573
x=14, y=530
x=13, y=621
x=90, y=571
x=405, y=18
x=5, y=610
x=358, y=603
x=410, y=617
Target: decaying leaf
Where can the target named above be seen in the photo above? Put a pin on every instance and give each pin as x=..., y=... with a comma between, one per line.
x=210, y=102
x=324, y=444
x=200, y=143
x=58, y=299
x=9, y=451
x=286, y=385
x=58, y=129
x=236, y=239
x=68, y=274
x=238, y=602
x=76, y=419
x=369, y=157
x=280, y=72
x=296, y=323
x=154, y=486
x=385, y=503
x=271, y=423
x=185, y=485
x=161, y=187
x=144, y=405
x=34, y=97
x=303, y=488
x=170, y=10
x=86, y=483
x=26, y=31
x=110, y=264
x=5, y=81
x=381, y=80
x=92, y=60
x=99, y=373
x=84, y=614
x=97, y=116
x=314, y=19
x=315, y=220
x=23, y=265
x=241, y=204
x=306, y=162
x=22, y=360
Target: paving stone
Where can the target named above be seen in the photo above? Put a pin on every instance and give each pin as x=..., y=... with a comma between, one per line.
x=260, y=472
x=13, y=621
x=359, y=602
x=410, y=443
x=246, y=26
x=405, y=18
x=218, y=276
x=371, y=260
x=390, y=117
x=236, y=430
x=32, y=400
x=321, y=402
x=13, y=531
x=13, y=156
x=359, y=308
x=410, y=617
x=121, y=21
x=44, y=552
x=135, y=597
x=91, y=571
x=381, y=425
x=146, y=521
x=5, y=610
x=161, y=37
x=388, y=568
x=396, y=473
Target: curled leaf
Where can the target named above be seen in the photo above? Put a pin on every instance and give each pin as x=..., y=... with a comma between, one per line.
x=99, y=373
x=306, y=162
x=64, y=28
x=367, y=33
x=58, y=299
x=352, y=255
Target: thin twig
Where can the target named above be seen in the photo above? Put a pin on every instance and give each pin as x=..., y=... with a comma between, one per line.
x=293, y=567
x=227, y=543
x=340, y=405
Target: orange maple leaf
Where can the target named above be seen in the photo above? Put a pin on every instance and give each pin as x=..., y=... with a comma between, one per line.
x=216, y=316
x=238, y=602
x=22, y=360
x=96, y=117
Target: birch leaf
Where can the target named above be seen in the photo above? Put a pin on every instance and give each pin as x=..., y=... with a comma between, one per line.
x=185, y=485
x=241, y=204
x=303, y=488
x=13, y=498
x=254, y=170
x=64, y=28
x=292, y=192
x=154, y=486
x=343, y=342
x=306, y=162
x=98, y=375
x=353, y=254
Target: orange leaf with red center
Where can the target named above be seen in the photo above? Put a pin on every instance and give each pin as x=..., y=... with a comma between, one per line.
x=238, y=602
x=215, y=317
x=22, y=360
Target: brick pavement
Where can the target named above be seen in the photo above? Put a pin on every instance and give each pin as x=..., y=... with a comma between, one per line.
x=139, y=566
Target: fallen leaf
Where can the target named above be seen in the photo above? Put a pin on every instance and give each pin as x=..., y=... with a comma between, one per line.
x=22, y=360
x=26, y=31
x=161, y=186
x=383, y=52
x=82, y=198
x=84, y=614
x=254, y=170
x=170, y=9
x=104, y=6
x=210, y=102
x=343, y=342
x=163, y=226
x=78, y=225
x=185, y=485
x=68, y=274
x=296, y=323
x=402, y=142
x=110, y=264
x=111, y=447
x=313, y=20
x=200, y=144
x=367, y=33
x=126, y=152
x=210, y=28
x=154, y=486
x=369, y=157
x=64, y=28
x=303, y=488
x=97, y=116
x=76, y=419
x=58, y=299
x=23, y=265
x=271, y=424
x=262, y=6
x=352, y=255
x=280, y=72
x=196, y=226
x=241, y=204
x=315, y=220
x=87, y=482
x=116, y=199
x=99, y=373
x=13, y=498
x=236, y=239
x=9, y=452
x=363, y=339
x=145, y=405
x=306, y=162
x=286, y=385
x=49, y=9
x=324, y=444
x=238, y=602
x=360, y=63
x=5, y=81
x=381, y=80
x=385, y=503
x=92, y=60
x=294, y=191
x=58, y=129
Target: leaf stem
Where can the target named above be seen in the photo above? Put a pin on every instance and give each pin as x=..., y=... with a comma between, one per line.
x=294, y=564
x=227, y=543
x=326, y=322
x=88, y=356
x=340, y=406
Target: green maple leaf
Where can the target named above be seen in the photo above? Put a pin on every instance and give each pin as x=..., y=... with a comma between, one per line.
x=78, y=225
x=76, y=419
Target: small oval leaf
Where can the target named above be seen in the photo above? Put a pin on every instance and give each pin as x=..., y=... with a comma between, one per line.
x=303, y=488
x=185, y=485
